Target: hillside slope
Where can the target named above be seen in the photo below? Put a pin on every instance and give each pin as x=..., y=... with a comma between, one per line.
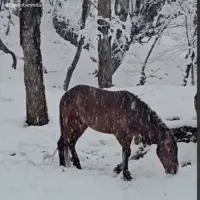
x=24, y=172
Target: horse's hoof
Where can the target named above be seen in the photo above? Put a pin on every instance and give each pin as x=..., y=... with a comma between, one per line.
x=127, y=175
x=62, y=164
x=77, y=165
x=117, y=169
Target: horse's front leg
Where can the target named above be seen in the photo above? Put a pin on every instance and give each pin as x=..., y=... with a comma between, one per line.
x=126, y=152
x=125, y=159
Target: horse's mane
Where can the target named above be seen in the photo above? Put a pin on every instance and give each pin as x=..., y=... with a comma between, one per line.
x=149, y=113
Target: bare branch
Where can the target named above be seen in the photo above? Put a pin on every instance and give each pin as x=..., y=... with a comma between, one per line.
x=85, y=12
x=159, y=35
x=7, y=51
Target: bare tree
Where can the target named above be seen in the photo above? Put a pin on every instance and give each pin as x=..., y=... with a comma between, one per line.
x=85, y=12
x=121, y=43
x=191, y=53
x=188, y=15
x=157, y=37
x=2, y=4
x=117, y=7
x=7, y=51
x=143, y=74
x=142, y=14
x=30, y=19
x=104, y=44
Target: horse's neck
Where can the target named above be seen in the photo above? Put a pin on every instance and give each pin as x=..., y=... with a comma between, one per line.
x=155, y=133
x=161, y=133
x=151, y=126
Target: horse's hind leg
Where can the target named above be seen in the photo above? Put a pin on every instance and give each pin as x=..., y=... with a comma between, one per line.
x=76, y=132
x=126, y=152
x=61, y=149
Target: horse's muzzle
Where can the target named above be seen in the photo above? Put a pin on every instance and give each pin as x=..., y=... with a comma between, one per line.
x=172, y=171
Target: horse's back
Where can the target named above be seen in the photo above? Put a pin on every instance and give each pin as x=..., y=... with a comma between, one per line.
x=102, y=110
x=99, y=97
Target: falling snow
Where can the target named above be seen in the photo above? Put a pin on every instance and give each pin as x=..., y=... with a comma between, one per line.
x=149, y=118
x=133, y=105
x=23, y=172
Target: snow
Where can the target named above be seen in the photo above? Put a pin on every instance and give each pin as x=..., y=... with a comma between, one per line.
x=133, y=105
x=24, y=172
x=23, y=176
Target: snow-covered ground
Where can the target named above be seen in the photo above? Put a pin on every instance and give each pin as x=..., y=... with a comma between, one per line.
x=23, y=172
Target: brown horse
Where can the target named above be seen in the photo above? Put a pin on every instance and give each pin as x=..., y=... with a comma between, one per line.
x=120, y=113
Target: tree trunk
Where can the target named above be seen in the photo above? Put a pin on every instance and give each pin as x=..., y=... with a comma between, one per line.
x=117, y=5
x=119, y=47
x=85, y=12
x=143, y=74
x=104, y=45
x=30, y=19
x=148, y=10
x=141, y=8
x=188, y=67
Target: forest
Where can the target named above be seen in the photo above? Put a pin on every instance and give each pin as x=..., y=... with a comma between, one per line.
x=48, y=48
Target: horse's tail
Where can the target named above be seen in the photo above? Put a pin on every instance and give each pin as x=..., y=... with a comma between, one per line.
x=63, y=136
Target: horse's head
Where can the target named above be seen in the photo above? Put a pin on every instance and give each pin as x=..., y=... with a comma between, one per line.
x=167, y=152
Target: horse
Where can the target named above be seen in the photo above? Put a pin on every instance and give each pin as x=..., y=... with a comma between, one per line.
x=120, y=113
